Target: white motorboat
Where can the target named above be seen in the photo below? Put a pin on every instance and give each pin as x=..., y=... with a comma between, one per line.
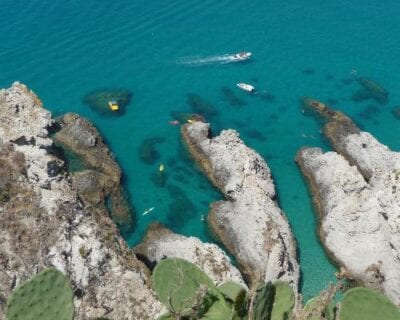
x=246, y=87
x=241, y=56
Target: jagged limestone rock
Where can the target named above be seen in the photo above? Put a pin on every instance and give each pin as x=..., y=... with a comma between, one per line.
x=356, y=191
x=249, y=222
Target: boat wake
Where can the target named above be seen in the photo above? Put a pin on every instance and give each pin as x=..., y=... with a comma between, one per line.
x=198, y=61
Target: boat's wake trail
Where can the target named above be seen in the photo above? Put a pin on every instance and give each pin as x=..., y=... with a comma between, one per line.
x=197, y=61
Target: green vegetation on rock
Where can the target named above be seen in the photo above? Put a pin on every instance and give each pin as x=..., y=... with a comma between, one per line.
x=283, y=301
x=48, y=295
x=231, y=290
x=181, y=285
x=263, y=301
x=317, y=309
x=367, y=304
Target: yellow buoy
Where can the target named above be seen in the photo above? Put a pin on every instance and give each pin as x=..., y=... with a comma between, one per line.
x=161, y=168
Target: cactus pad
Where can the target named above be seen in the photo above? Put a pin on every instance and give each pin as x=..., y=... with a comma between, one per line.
x=283, y=301
x=48, y=295
x=263, y=301
x=367, y=304
x=178, y=283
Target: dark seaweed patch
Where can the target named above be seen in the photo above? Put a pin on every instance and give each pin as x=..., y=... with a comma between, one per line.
x=231, y=98
x=396, y=112
x=347, y=81
x=266, y=96
x=361, y=95
x=147, y=150
x=201, y=106
x=331, y=101
x=181, y=209
x=255, y=134
x=369, y=112
x=308, y=71
x=159, y=178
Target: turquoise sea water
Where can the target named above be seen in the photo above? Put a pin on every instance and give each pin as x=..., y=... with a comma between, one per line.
x=161, y=51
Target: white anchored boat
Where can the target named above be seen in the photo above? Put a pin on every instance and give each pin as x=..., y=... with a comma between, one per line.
x=246, y=87
x=241, y=56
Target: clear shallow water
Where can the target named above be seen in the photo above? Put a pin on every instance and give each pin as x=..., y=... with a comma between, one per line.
x=64, y=50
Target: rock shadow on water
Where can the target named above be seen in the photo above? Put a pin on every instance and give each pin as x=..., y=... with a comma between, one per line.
x=148, y=152
x=181, y=210
x=229, y=96
x=98, y=101
x=201, y=106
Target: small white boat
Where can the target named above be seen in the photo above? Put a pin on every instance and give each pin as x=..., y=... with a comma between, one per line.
x=148, y=211
x=241, y=56
x=246, y=87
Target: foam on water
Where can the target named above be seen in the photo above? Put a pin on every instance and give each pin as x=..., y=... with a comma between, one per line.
x=65, y=49
x=199, y=61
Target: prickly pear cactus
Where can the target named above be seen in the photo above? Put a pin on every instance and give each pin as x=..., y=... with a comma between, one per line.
x=367, y=304
x=283, y=301
x=47, y=296
x=263, y=302
x=181, y=285
x=237, y=294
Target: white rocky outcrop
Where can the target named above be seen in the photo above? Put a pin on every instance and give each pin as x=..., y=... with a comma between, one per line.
x=161, y=243
x=44, y=224
x=249, y=222
x=357, y=195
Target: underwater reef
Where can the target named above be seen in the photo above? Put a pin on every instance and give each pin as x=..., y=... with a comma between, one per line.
x=98, y=101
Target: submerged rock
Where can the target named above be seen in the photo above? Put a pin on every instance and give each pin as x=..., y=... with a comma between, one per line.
x=356, y=192
x=79, y=136
x=371, y=90
x=161, y=243
x=249, y=222
x=44, y=224
x=98, y=100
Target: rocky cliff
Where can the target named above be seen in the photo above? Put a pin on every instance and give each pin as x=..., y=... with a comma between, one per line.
x=249, y=222
x=356, y=191
x=45, y=223
x=160, y=243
